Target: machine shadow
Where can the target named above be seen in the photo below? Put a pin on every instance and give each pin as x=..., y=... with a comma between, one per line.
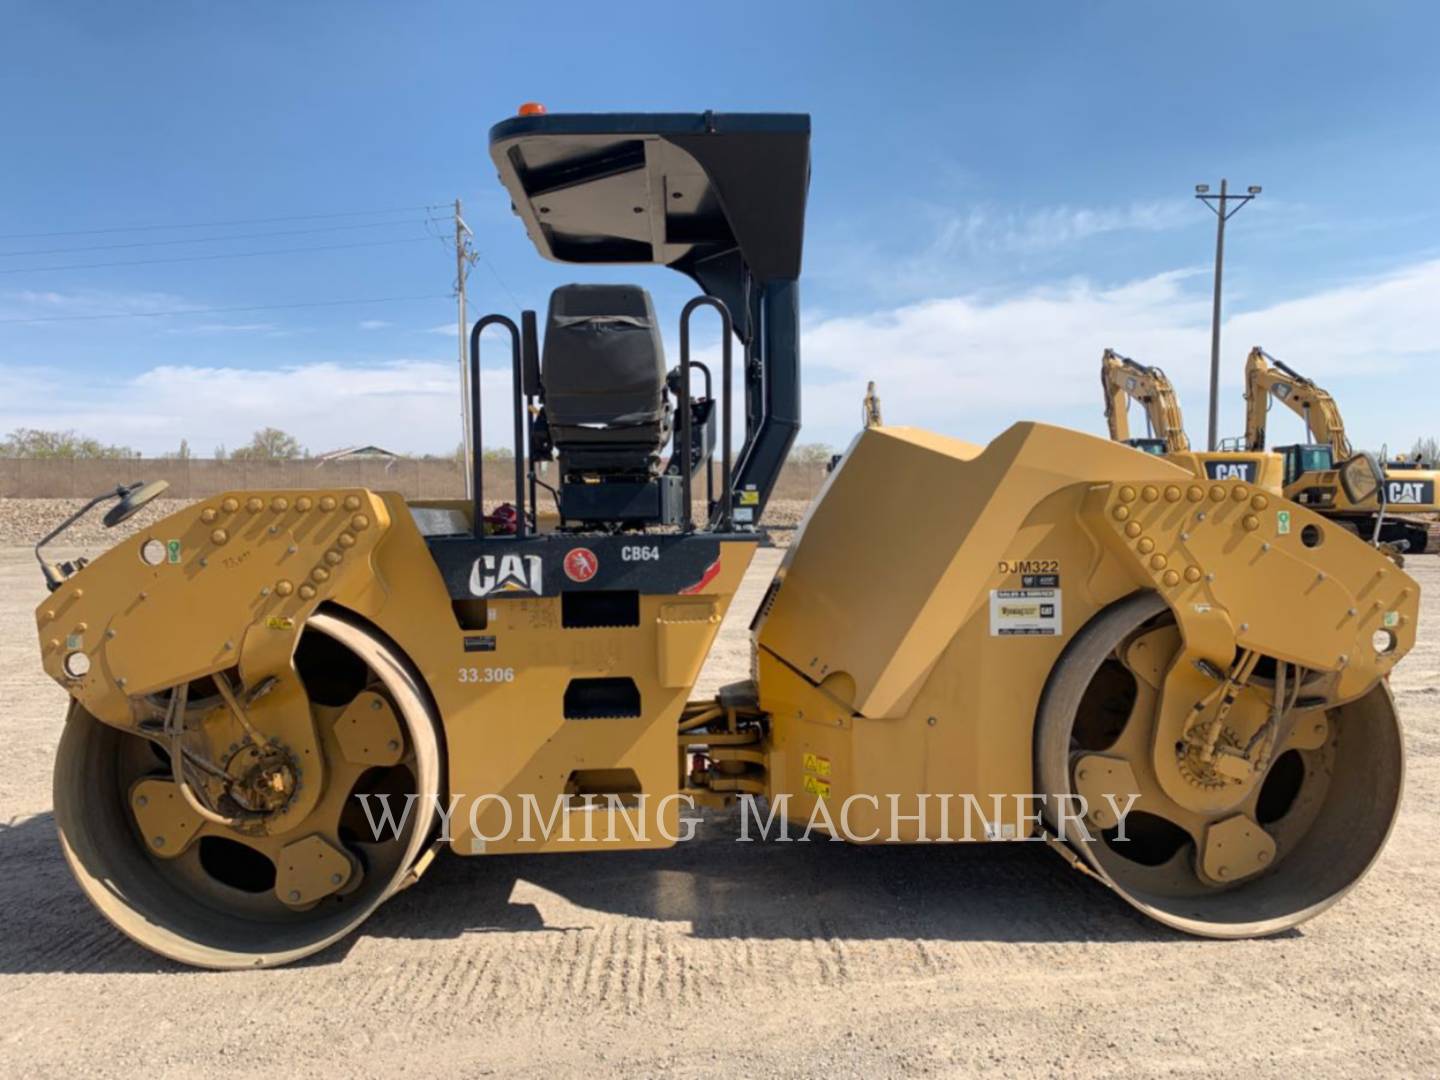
x=771, y=890
x=778, y=890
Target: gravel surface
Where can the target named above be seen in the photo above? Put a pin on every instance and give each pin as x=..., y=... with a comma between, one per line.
x=726, y=959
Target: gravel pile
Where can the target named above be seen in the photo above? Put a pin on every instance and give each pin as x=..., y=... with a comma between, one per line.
x=24, y=521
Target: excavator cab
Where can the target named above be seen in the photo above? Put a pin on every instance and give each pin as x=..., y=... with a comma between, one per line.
x=1148, y=446
x=1310, y=477
x=1302, y=458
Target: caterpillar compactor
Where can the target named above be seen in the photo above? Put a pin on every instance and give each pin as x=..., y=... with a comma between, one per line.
x=1310, y=474
x=1124, y=380
x=1192, y=671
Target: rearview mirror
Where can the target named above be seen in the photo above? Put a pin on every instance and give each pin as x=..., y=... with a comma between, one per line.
x=1362, y=478
x=133, y=501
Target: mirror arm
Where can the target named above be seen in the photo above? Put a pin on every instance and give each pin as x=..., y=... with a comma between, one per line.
x=53, y=578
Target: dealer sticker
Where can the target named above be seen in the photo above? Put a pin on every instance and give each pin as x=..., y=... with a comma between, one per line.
x=1024, y=612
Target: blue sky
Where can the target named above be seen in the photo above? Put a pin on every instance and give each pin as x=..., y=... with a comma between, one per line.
x=999, y=192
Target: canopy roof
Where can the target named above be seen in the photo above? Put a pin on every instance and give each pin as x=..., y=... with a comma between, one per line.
x=702, y=193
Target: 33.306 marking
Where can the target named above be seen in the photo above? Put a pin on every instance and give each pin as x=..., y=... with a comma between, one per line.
x=487, y=675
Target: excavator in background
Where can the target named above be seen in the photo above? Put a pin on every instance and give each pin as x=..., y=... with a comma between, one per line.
x=1124, y=380
x=1310, y=468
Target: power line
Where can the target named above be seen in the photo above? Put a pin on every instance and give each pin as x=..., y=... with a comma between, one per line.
x=207, y=239
x=208, y=258
x=215, y=224
x=477, y=253
x=223, y=310
x=480, y=254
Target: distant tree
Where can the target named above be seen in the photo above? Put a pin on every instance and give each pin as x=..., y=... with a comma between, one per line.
x=1427, y=450
x=270, y=444
x=220, y=454
x=184, y=452
x=33, y=443
x=812, y=454
x=493, y=453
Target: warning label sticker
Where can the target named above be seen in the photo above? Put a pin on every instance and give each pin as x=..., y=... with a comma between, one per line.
x=819, y=788
x=1024, y=612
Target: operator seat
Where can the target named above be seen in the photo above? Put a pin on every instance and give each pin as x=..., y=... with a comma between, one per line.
x=603, y=373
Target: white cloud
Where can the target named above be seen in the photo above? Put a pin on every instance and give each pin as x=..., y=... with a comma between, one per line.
x=63, y=302
x=970, y=366
x=1383, y=324
x=986, y=229
x=374, y=324
x=406, y=405
x=966, y=364
x=204, y=329
x=46, y=304
x=985, y=243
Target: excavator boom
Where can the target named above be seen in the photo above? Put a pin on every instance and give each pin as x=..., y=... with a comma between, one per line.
x=1266, y=377
x=1125, y=380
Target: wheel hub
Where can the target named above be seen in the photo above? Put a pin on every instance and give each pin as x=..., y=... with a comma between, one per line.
x=264, y=779
x=1205, y=774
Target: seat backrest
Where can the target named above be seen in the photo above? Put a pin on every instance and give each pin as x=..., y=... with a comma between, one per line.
x=603, y=362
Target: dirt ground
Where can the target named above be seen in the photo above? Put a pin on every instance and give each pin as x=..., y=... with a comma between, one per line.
x=719, y=958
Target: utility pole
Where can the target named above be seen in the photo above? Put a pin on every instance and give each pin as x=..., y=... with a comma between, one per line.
x=1223, y=213
x=464, y=259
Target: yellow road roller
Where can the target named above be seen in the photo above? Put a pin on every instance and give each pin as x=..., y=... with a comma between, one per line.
x=285, y=704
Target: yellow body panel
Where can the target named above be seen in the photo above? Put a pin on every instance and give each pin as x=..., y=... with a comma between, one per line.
x=894, y=557
x=252, y=568
x=1231, y=465
x=884, y=652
